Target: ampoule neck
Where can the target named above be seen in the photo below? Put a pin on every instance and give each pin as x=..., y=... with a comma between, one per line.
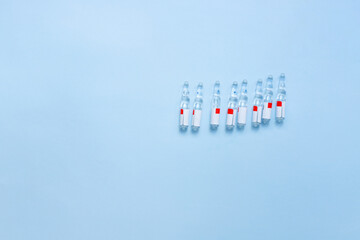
x=185, y=89
x=269, y=82
x=282, y=81
x=258, y=89
x=199, y=91
x=243, y=87
x=234, y=89
x=269, y=86
x=217, y=88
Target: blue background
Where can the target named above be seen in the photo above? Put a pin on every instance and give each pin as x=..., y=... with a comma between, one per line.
x=89, y=110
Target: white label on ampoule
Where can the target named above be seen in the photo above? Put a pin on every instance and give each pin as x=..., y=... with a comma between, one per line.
x=267, y=110
x=230, y=117
x=242, y=115
x=280, y=109
x=215, y=116
x=196, y=118
x=257, y=110
x=283, y=110
x=184, y=117
x=260, y=109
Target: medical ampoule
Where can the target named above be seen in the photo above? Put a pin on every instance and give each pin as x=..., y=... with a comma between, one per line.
x=258, y=104
x=184, y=107
x=232, y=107
x=242, y=110
x=281, y=99
x=268, y=94
x=197, y=109
x=215, y=107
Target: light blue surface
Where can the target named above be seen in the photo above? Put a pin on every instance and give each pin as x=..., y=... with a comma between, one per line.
x=89, y=104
